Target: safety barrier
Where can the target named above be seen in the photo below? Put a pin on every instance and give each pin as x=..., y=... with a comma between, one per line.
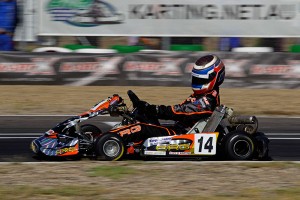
x=148, y=68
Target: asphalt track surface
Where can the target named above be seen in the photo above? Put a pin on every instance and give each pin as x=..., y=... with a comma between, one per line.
x=16, y=133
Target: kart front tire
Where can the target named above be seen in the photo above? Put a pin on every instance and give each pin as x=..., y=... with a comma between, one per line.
x=110, y=147
x=239, y=145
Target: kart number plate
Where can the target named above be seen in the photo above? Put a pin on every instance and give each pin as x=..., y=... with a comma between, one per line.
x=205, y=144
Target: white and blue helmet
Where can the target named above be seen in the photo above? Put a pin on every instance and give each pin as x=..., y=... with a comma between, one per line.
x=207, y=74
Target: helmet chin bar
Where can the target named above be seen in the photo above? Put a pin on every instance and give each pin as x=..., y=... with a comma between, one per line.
x=205, y=88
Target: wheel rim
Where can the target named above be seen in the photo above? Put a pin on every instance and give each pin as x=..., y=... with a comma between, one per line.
x=242, y=148
x=111, y=148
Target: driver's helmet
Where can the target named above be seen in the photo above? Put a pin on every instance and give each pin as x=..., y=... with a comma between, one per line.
x=208, y=73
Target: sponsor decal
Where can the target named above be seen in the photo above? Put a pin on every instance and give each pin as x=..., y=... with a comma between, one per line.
x=84, y=13
x=153, y=141
x=66, y=150
x=158, y=153
x=130, y=130
x=287, y=11
x=158, y=140
x=38, y=66
x=270, y=69
x=16, y=67
x=179, y=153
x=165, y=66
x=172, y=147
x=78, y=67
x=104, y=65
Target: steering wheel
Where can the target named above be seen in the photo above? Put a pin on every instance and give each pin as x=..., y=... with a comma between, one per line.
x=133, y=98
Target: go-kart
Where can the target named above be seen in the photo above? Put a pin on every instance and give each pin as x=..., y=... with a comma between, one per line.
x=220, y=136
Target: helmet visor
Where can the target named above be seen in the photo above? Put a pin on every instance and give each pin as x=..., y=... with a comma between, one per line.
x=200, y=81
x=203, y=81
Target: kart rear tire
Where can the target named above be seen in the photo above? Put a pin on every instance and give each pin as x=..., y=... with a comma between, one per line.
x=262, y=147
x=238, y=145
x=91, y=132
x=110, y=147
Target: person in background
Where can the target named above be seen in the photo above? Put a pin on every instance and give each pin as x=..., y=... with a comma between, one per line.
x=8, y=23
x=228, y=43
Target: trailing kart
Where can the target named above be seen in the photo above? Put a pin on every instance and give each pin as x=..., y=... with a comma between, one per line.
x=219, y=136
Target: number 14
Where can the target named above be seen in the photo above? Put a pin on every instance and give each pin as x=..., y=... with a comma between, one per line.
x=205, y=144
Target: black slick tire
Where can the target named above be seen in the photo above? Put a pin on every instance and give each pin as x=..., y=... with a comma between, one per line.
x=238, y=145
x=110, y=147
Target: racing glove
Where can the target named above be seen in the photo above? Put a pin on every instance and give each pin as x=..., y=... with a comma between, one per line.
x=146, y=108
x=113, y=110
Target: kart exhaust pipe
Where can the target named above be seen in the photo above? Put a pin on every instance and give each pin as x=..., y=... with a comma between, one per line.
x=243, y=120
x=248, y=124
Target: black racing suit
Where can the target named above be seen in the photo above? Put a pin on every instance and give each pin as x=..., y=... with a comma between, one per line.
x=185, y=115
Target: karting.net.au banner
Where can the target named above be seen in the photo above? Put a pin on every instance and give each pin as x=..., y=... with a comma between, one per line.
x=214, y=18
x=263, y=70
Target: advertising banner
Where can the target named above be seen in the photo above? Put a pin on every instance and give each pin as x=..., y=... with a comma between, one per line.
x=256, y=18
x=264, y=70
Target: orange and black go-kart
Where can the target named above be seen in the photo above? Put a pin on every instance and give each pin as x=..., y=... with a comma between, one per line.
x=220, y=136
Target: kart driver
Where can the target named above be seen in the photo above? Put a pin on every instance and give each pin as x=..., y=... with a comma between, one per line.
x=207, y=75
